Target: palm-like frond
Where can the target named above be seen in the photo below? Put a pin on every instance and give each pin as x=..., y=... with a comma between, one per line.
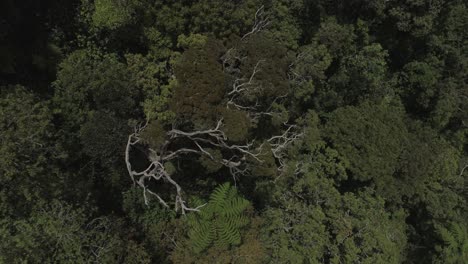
x=220, y=221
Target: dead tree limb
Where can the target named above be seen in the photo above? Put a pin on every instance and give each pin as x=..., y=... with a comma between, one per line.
x=463, y=170
x=280, y=143
x=201, y=141
x=261, y=21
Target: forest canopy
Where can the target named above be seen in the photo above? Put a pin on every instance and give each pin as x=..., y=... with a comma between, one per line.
x=246, y=131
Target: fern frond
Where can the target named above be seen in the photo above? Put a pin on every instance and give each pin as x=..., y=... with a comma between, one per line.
x=201, y=236
x=229, y=233
x=220, y=221
x=219, y=195
x=236, y=206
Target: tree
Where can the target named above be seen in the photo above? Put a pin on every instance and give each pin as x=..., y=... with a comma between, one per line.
x=28, y=152
x=247, y=131
x=90, y=80
x=95, y=97
x=356, y=67
x=60, y=233
x=217, y=99
x=371, y=137
x=362, y=76
x=310, y=221
x=200, y=84
x=415, y=17
x=455, y=244
x=419, y=83
x=430, y=166
x=112, y=14
x=308, y=71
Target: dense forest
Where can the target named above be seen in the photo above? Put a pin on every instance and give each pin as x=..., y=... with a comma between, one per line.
x=234, y=131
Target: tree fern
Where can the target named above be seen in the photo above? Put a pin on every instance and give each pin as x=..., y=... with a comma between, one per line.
x=219, y=222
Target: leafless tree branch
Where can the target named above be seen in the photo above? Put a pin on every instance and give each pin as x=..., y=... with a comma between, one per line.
x=261, y=22
x=240, y=85
x=201, y=140
x=280, y=143
x=463, y=170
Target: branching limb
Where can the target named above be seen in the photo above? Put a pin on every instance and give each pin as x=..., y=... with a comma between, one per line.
x=463, y=170
x=261, y=22
x=280, y=143
x=240, y=85
x=200, y=140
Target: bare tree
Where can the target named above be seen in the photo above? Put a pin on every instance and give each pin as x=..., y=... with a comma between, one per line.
x=236, y=158
x=200, y=142
x=261, y=22
x=244, y=87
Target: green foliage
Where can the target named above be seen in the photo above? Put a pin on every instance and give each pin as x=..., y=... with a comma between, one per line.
x=455, y=244
x=28, y=152
x=112, y=14
x=414, y=16
x=156, y=106
x=448, y=105
x=354, y=68
x=309, y=220
x=339, y=39
x=420, y=80
x=154, y=135
x=285, y=22
x=274, y=65
x=309, y=70
x=94, y=98
x=267, y=167
x=362, y=75
x=89, y=80
x=364, y=232
x=366, y=72
x=95, y=135
x=200, y=84
x=374, y=91
x=146, y=72
x=236, y=125
x=220, y=18
x=158, y=44
x=371, y=137
x=60, y=233
x=220, y=220
x=212, y=165
x=55, y=230
x=429, y=165
x=250, y=251
x=193, y=40
x=155, y=225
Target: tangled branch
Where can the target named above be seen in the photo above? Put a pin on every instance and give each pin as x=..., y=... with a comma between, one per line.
x=200, y=141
